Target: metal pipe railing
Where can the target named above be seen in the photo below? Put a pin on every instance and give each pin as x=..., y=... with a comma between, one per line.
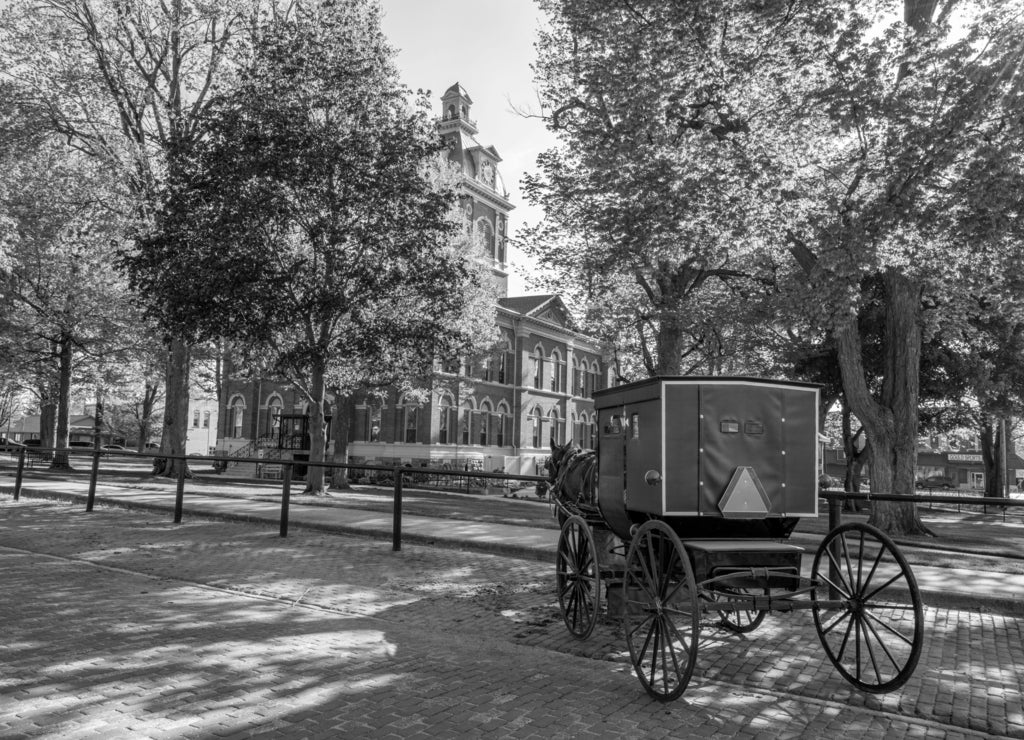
x=399, y=472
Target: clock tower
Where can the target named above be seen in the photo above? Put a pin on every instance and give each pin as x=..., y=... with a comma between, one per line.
x=484, y=198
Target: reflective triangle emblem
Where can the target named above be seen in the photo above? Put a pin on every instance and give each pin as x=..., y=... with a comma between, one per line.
x=744, y=497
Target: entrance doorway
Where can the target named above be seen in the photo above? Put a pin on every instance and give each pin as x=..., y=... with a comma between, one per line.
x=977, y=480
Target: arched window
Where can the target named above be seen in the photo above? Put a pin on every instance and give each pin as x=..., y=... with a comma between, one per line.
x=538, y=366
x=409, y=419
x=556, y=382
x=557, y=427
x=583, y=435
x=446, y=420
x=235, y=416
x=484, y=423
x=506, y=362
x=502, y=425
x=465, y=420
x=370, y=415
x=537, y=420
x=486, y=233
x=272, y=425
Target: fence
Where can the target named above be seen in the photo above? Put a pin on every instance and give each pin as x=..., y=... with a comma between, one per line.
x=398, y=474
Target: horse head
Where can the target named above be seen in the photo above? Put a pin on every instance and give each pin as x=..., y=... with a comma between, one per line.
x=560, y=454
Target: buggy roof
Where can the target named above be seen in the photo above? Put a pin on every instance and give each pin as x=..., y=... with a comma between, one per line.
x=607, y=394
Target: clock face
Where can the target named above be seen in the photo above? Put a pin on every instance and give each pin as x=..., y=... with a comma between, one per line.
x=487, y=173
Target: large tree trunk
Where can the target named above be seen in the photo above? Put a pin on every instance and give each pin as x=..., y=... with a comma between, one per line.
x=669, y=344
x=317, y=431
x=341, y=423
x=149, y=395
x=176, y=407
x=993, y=454
x=891, y=421
x=63, y=420
x=47, y=418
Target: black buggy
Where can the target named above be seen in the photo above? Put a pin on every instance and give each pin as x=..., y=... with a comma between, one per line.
x=697, y=486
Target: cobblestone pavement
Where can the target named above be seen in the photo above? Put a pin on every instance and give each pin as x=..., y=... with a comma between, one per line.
x=119, y=624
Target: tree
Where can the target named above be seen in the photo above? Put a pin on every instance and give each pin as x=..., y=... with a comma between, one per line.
x=315, y=221
x=663, y=112
x=126, y=83
x=57, y=286
x=918, y=175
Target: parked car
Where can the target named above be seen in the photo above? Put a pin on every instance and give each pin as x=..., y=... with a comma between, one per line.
x=937, y=481
x=114, y=449
x=7, y=445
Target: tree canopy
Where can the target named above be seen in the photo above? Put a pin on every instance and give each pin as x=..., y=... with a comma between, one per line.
x=315, y=220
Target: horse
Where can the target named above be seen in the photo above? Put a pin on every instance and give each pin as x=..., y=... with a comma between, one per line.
x=572, y=476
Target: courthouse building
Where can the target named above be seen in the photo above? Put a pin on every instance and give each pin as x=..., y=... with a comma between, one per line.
x=494, y=413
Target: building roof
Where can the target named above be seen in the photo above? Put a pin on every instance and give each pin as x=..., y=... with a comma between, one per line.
x=458, y=90
x=524, y=304
x=29, y=424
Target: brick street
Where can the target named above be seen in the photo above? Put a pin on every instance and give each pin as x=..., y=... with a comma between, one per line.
x=120, y=624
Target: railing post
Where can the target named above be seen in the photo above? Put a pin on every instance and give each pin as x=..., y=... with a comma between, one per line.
x=286, y=494
x=94, y=473
x=179, y=498
x=18, y=476
x=396, y=529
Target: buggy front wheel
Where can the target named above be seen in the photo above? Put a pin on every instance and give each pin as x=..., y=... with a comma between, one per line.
x=661, y=616
x=578, y=578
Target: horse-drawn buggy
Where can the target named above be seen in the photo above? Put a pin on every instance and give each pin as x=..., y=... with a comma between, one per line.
x=684, y=514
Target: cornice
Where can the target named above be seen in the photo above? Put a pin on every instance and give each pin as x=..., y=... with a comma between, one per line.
x=485, y=193
x=553, y=331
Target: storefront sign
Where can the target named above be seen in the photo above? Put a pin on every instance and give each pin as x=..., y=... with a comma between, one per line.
x=962, y=457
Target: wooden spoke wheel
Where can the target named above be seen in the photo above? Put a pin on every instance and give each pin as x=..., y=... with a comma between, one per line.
x=661, y=616
x=739, y=620
x=874, y=636
x=578, y=577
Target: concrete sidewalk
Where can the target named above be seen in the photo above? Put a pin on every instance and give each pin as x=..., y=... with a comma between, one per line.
x=946, y=587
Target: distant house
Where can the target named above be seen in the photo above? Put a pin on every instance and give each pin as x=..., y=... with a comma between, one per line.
x=81, y=427
x=965, y=467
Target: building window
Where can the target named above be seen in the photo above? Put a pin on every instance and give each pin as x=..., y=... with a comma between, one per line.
x=501, y=427
x=236, y=413
x=409, y=419
x=195, y=418
x=206, y=419
x=371, y=427
x=557, y=379
x=537, y=420
x=465, y=421
x=446, y=421
x=557, y=427
x=274, y=406
x=538, y=367
x=484, y=424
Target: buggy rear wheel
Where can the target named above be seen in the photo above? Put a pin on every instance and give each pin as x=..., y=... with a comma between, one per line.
x=578, y=578
x=875, y=633
x=739, y=620
x=661, y=615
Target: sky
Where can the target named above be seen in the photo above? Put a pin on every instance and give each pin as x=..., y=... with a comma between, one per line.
x=487, y=46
